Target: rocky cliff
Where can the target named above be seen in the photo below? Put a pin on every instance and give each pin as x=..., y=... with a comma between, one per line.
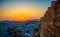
x=50, y=22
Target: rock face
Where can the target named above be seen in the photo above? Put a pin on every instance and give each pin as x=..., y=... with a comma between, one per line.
x=50, y=22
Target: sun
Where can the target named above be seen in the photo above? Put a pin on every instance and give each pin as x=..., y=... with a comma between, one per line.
x=22, y=17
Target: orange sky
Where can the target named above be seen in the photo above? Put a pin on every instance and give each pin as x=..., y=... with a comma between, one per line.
x=22, y=10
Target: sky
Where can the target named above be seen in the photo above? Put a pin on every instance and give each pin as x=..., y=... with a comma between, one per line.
x=23, y=9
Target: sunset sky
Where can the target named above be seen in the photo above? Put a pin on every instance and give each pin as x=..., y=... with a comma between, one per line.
x=23, y=9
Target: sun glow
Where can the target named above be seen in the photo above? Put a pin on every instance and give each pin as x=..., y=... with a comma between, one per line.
x=22, y=17
x=21, y=12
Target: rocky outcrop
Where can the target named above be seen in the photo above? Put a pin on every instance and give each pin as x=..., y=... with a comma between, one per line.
x=50, y=22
